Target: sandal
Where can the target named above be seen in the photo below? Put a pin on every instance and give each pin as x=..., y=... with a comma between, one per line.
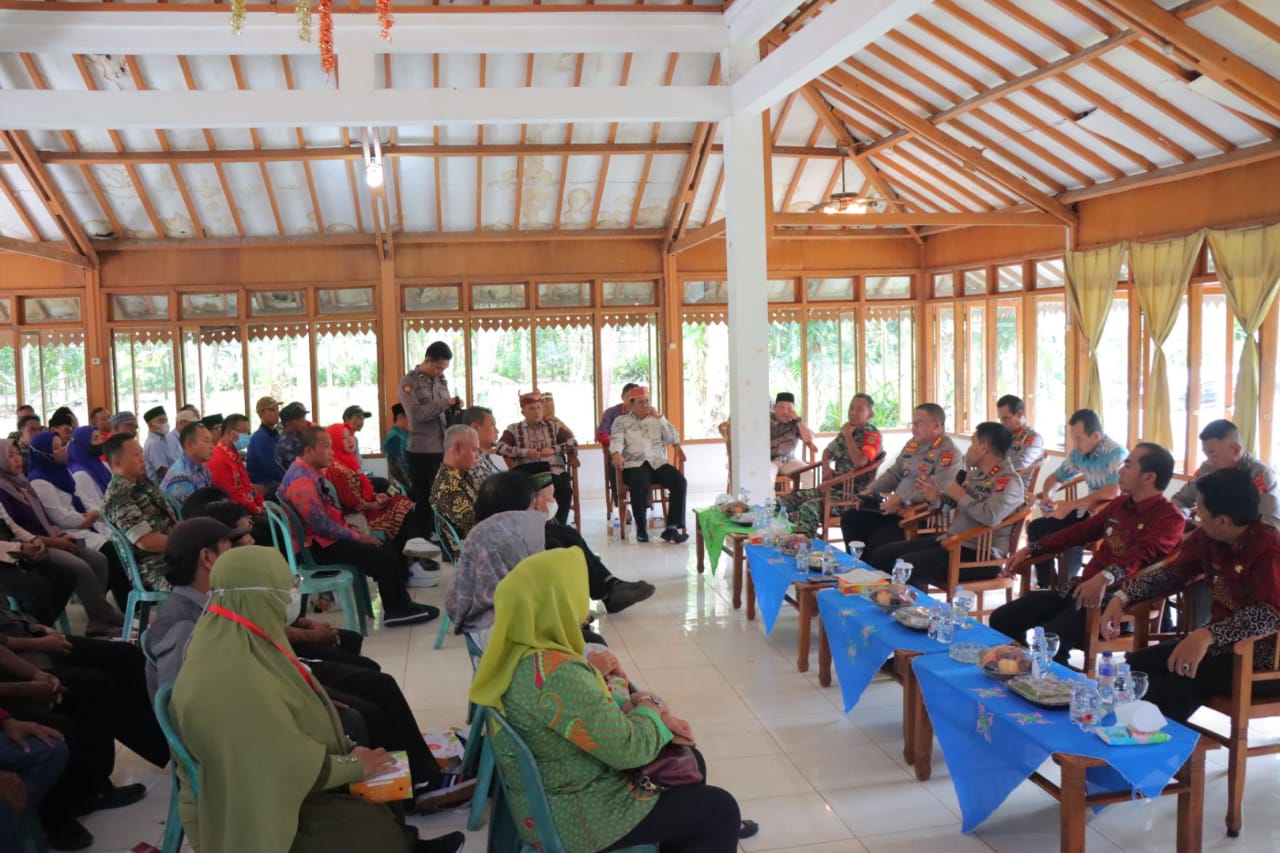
x=747, y=828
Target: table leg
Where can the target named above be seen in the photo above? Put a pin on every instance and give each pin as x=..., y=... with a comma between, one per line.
x=824, y=656
x=698, y=543
x=751, y=597
x=909, y=707
x=804, y=603
x=738, y=560
x=1191, y=804
x=1071, y=803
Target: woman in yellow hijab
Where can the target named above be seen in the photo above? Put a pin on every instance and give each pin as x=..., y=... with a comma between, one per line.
x=534, y=673
x=273, y=763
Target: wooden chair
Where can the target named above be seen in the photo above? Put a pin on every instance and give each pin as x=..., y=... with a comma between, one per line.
x=572, y=465
x=1143, y=619
x=1030, y=477
x=783, y=483
x=922, y=520
x=838, y=491
x=657, y=494
x=980, y=540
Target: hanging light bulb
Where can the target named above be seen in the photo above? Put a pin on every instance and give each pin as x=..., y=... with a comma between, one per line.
x=372, y=148
x=373, y=174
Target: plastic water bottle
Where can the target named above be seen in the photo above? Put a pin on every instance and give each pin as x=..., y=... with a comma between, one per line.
x=1123, y=685
x=802, y=558
x=1084, y=704
x=946, y=625
x=1037, y=650
x=1106, y=669
x=757, y=524
x=617, y=527
x=935, y=616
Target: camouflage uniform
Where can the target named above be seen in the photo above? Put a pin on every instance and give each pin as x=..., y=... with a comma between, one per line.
x=137, y=509
x=804, y=506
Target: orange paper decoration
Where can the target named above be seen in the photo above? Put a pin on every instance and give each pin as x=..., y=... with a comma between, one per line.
x=328, y=60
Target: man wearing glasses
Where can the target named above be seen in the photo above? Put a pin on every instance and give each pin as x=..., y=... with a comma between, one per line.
x=638, y=441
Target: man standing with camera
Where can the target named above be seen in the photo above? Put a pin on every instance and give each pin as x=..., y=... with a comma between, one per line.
x=427, y=400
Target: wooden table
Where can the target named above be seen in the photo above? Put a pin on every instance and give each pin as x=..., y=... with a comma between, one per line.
x=734, y=541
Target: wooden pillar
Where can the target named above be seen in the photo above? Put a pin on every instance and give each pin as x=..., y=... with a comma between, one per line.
x=97, y=344
x=746, y=256
x=671, y=340
x=390, y=337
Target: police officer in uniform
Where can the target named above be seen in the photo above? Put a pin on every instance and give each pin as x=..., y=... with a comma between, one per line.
x=425, y=395
x=929, y=454
x=990, y=493
x=1220, y=441
x=1028, y=445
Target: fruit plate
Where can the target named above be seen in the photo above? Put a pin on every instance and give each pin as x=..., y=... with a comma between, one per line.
x=889, y=597
x=744, y=518
x=915, y=617
x=1047, y=692
x=1014, y=659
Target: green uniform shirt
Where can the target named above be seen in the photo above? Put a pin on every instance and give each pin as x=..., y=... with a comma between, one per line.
x=137, y=509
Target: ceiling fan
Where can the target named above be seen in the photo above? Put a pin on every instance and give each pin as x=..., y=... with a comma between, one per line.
x=844, y=201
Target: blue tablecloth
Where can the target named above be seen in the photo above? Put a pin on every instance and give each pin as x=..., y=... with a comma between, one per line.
x=862, y=637
x=994, y=739
x=773, y=573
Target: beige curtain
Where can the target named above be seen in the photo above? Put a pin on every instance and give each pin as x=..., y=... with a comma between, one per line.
x=1161, y=273
x=1248, y=261
x=1091, y=286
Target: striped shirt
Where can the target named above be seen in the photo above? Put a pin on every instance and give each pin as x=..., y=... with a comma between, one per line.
x=1100, y=467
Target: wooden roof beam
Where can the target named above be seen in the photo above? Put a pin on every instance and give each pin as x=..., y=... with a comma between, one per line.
x=47, y=251
x=999, y=217
x=1245, y=79
x=50, y=195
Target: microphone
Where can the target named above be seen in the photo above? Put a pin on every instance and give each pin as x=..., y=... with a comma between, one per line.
x=961, y=476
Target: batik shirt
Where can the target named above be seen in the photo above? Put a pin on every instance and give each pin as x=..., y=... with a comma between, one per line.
x=487, y=467
x=523, y=437
x=288, y=448
x=184, y=477
x=642, y=440
x=1133, y=534
x=453, y=495
x=605, y=430
x=783, y=436
x=137, y=509
x=1264, y=479
x=1027, y=450
x=1245, y=581
x=1100, y=467
x=322, y=521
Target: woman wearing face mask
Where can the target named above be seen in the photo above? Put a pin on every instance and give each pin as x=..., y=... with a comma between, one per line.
x=355, y=493
x=274, y=764
x=91, y=567
x=90, y=474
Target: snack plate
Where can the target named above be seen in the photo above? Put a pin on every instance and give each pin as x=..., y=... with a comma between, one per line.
x=1047, y=692
x=743, y=518
x=915, y=617
x=905, y=598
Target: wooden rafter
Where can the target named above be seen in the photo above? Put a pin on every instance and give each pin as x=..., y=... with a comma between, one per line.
x=47, y=251
x=1206, y=166
x=843, y=137
x=190, y=80
x=163, y=138
x=257, y=146
x=568, y=136
x=695, y=164
x=524, y=136
x=395, y=164
x=306, y=166
x=1225, y=67
x=941, y=179
x=46, y=189
x=1000, y=217
x=794, y=183
x=604, y=160
x=354, y=181
x=69, y=140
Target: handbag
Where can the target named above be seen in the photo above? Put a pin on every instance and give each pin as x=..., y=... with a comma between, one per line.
x=674, y=767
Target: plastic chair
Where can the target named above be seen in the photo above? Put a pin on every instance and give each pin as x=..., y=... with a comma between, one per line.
x=173, y=823
x=504, y=737
x=141, y=599
x=450, y=549
x=175, y=505
x=64, y=624
x=346, y=584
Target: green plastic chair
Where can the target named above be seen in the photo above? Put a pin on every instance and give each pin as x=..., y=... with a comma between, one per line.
x=175, y=505
x=173, y=823
x=477, y=760
x=503, y=736
x=347, y=584
x=450, y=549
x=141, y=599
x=64, y=624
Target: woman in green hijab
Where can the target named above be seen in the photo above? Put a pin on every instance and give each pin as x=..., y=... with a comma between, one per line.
x=272, y=760
x=534, y=673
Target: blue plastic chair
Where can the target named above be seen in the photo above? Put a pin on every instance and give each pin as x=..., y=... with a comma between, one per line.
x=64, y=624
x=175, y=505
x=346, y=584
x=450, y=549
x=502, y=736
x=173, y=823
x=141, y=599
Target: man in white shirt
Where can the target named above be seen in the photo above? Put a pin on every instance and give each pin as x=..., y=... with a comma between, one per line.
x=638, y=441
x=156, y=450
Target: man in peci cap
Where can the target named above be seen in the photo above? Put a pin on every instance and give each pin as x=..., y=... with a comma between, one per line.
x=785, y=429
x=353, y=418
x=187, y=414
x=213, y=423
x=289, y=446
x=261, y=456
x=156, y=449
x=124, y=422
x=638, y=443
x=535, y=439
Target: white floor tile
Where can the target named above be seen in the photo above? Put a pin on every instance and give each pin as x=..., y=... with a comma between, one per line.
x=789, y=822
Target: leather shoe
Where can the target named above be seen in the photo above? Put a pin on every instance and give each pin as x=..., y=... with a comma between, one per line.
x=642, y=536
x=115, y=797
x=623, y=594
x=69, y=836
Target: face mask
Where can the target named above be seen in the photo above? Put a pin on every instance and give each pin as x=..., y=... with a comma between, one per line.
x=160, y=427
x=552, y=509
x=293, y=609
x=292, y=601
x=242, y=441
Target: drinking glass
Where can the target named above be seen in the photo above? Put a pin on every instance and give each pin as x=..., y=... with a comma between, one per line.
x=1052, y=642
x=901, y=573
x=1140, y=684
x=964, y=601
x=856, y=548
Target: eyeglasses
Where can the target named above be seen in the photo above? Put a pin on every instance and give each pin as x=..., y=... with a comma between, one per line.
x=642, y=400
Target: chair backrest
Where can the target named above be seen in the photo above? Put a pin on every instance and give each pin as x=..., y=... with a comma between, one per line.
x=506, y=741
x=450, y=541
x=286, y=534
x=1031, y=476
x=175, y=505
x=176, y=746
x=124, y=550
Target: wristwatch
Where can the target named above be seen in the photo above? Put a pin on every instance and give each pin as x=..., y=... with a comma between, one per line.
x=656, y=700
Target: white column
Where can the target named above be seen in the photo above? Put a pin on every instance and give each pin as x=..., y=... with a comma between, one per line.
x=746, y=253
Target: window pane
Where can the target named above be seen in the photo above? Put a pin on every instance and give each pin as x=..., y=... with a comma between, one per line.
x=1009, y=278
x=977, y=366
x=6, y=313
x=280, y=367
x=199, y=305
x=214, y=369
x=501, y=362
x=975, y=282
x=832, y=370
x=1175, y=350
x=347, y=375
x=418, y=335
x=1008, y=357
x=438, y=298
x=1114, y=350
x=782, y=290
x=1217, y=373
x=143, y=371
x=53, y=372
x=890, y=364
x=1051, y=379
x=41, y=309
x=139, y=307
x=696, y=292
x=577, y=294
x=567, y=370
x=785, y=373
x=629, y=293
x=349, y=300
x=277, y=303
x=493, y=296
x=888, y=287
x=829, y=289
x=944, y=284
x=706, y=377
x=1050, y=273
x=944, y=365
x=628, y=353
x=9, y=382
